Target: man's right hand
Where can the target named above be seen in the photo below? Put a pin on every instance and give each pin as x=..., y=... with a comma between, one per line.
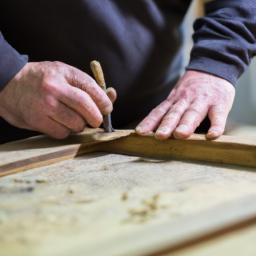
x=54, y=98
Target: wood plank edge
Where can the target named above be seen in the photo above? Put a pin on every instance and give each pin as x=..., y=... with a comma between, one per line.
x=172, y=236
x=120, y=145
x=46, y=159
x=199, y=150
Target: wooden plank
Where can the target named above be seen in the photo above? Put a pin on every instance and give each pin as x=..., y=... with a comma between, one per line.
x=170, y=237
x=236, y=243
x=38, y=151
x=41, y=150
x=37, y=218
x=226, y=149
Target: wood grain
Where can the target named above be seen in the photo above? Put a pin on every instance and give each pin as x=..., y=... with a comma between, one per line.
x=78, y=205
x=169, y=237
x=42, y=150
x=226, y=149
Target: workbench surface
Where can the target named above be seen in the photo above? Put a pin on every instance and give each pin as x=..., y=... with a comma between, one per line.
x=100, y=197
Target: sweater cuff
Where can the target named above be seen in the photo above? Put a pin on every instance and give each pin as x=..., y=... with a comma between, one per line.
x=214, y=67
x=11, y=62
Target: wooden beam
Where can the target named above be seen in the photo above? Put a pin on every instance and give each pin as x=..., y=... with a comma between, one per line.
x=226, y=149
x=171, y=236
x=42, y=150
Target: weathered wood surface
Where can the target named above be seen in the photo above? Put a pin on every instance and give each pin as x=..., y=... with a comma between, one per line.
x=39, y=151
x=79, y=205
x=226, y=149
x=170, y=237
x=239, y=242
x=42, y=150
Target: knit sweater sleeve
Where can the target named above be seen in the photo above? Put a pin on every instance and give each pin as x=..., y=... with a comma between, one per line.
x=11, y=62
x=225, y=39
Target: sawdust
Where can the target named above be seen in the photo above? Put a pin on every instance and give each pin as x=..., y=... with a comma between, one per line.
x=41, y=181
x=30, y=180
x=70, y=191
x=124, y=196
x=145, y=211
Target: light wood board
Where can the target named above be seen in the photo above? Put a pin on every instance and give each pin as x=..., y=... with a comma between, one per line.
x=226, y=149
x=76, y=206
x=101, y=203
x=42, y=150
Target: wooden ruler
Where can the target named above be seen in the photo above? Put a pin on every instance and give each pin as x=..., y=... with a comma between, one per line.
x=40, y=151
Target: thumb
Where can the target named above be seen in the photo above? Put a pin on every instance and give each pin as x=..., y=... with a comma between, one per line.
x=111, y=92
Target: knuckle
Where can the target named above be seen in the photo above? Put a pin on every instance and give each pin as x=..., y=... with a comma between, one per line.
x=161, y=109
x=174, y=113
x=49, y=87
x=182, y=103
x=171, y=97
x=171, y=116
x=92, y=89
x=77, y=125
x=89, y=85
x=60, y=133
x=51, y=103
x=58, y=63
x=152, y=118
x=194, y=111
x=184, y=95
x=216, y=111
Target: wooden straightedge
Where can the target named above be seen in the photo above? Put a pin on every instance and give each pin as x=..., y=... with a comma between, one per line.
x=226, y=149
x=39, y=151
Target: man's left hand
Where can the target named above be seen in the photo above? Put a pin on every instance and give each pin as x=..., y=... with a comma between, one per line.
x=195, y=95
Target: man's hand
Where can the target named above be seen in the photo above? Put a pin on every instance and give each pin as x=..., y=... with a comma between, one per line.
x=54, y=98
x=195, y=95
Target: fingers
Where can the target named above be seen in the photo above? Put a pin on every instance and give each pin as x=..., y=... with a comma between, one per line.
x=81, y=80
x=69, y=118
x=152, y=121
x=52, y=128
x=82, y=103
x=171, y=120
x=182, y=119
x=111, y=93
x=190, y=120
x=218, y=119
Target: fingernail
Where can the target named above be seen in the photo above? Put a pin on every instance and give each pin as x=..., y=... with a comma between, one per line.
x=140, y=129
x=212, y=133
x=163, y=130
x=182, y=128
x=107, y=110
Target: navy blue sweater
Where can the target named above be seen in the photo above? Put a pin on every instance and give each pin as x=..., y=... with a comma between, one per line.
x=137, y=42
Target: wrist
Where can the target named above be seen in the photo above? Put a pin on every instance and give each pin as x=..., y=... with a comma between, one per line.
x=206, y=77
x=8, y=91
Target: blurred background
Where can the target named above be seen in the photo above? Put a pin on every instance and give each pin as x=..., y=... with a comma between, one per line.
x=242, y=118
